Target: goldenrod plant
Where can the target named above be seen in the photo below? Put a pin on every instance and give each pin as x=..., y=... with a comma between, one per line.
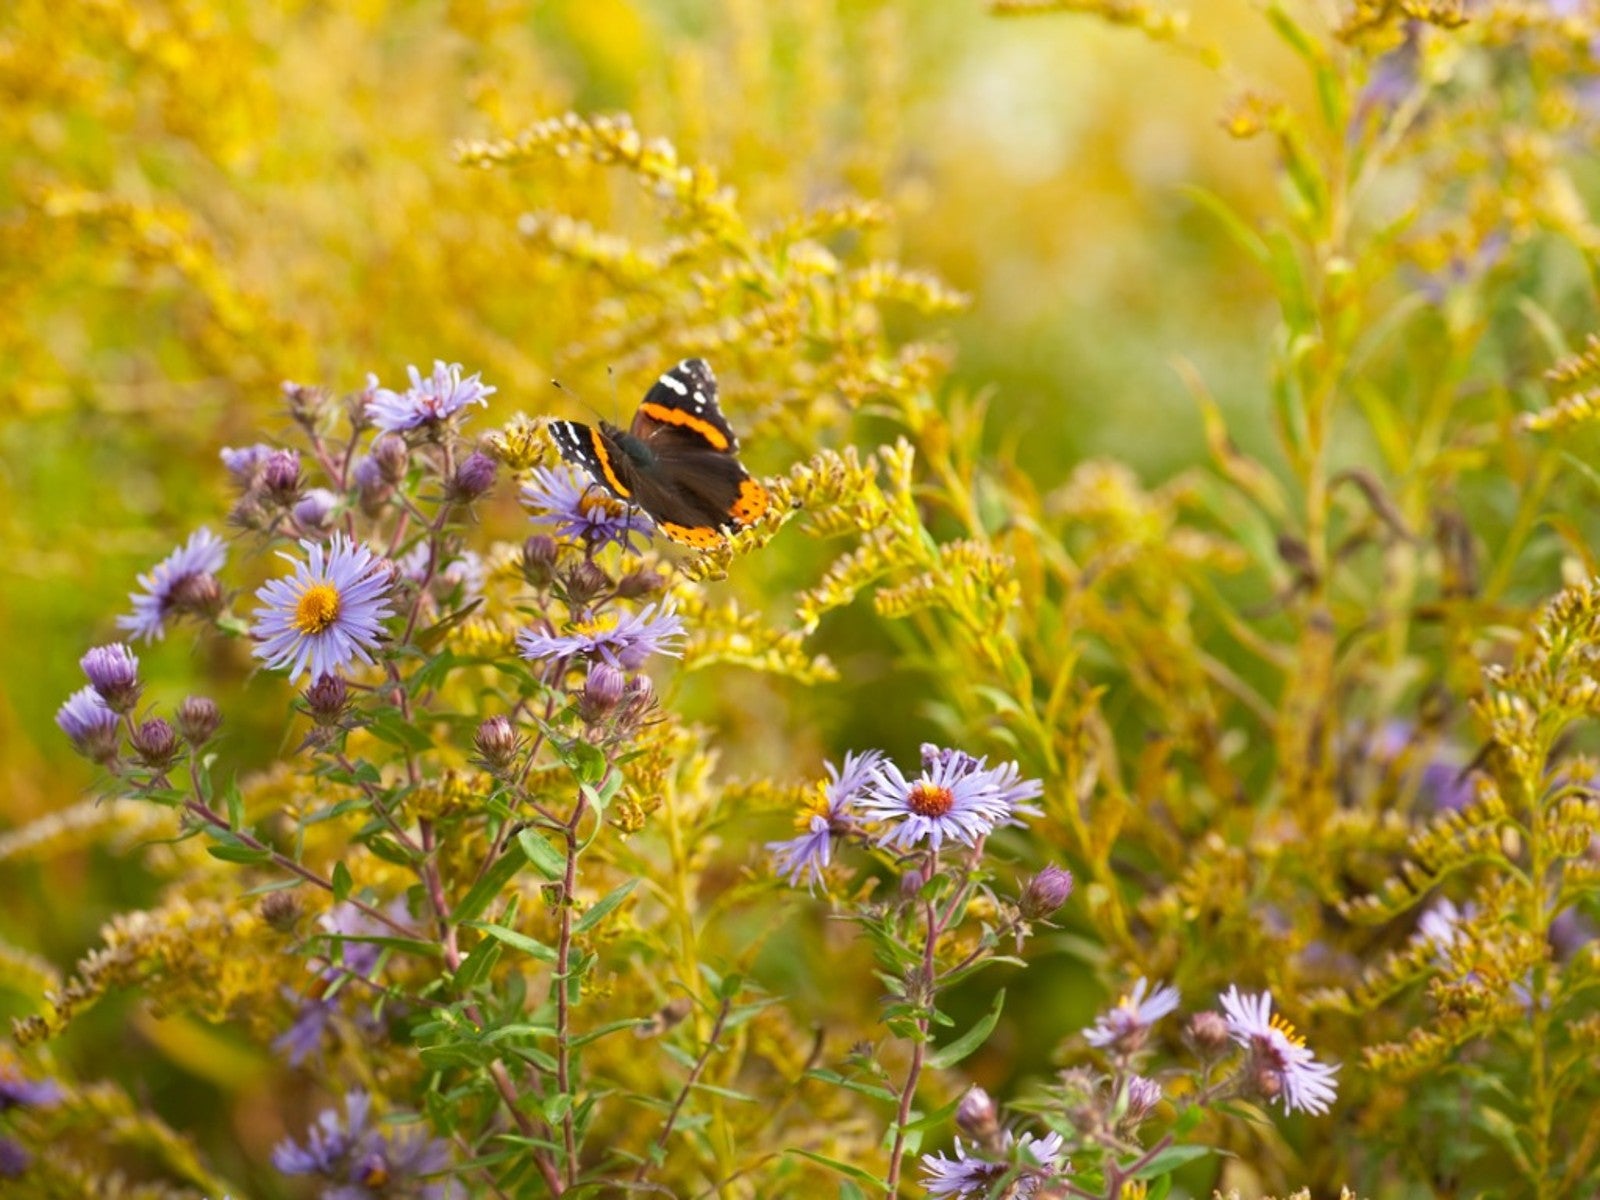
x=840, y=600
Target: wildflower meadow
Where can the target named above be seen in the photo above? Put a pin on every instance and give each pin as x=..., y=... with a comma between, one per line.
x=798, y=599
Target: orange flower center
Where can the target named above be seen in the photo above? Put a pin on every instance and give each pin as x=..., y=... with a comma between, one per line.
x=929, y=800
x=318, y=608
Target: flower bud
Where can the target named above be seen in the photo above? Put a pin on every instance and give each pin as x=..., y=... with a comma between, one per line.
x=497, y=743
x=638, y=698
x=389, y=455
x=155, y=744
x=1143, y=1095
x=315, y=509
x=327, y=699
x=584, y=582
x=1046, y=892
x=91, y=726
x=280, y=476
x=602, y=692
x=113, y=672
x=977, y=1117
x=305, y=402
x=539, y=560
x=244, y=465
x=1207, y=1034
x=636, y=585
x=198, y=719
x=281, y=910
x=198, y=594
x=473, y=477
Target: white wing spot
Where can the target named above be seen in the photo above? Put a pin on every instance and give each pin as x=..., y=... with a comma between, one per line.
x=675, y=384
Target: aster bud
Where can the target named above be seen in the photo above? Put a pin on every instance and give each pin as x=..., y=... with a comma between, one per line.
x=199, y=594
x=281, y=910
x=978, y=1118
x=1265, y=1080
x=315, y=509
x=584, y=582
x=1143, y=1095
x=113, y=672
x=327, y=699
x=155, y=744
x=638, y=698
x=1046, y=892
x=602, y=692
x=539, y=560
x=1207, y=1034
x=198, y=719
x=280, y=476
x=497, y=743
x=473, y=477
x=305, y=402
x=248, y=513
x=636, y=585
x=389, y=455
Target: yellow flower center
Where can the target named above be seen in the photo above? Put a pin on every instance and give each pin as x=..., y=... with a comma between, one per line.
x=595, y=499
x=929, y=800
x=318, y=608
x=1283, y=1027
x=817, y=806
x=595, y=625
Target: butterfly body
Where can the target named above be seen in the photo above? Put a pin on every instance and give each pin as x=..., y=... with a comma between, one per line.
x=678, y=461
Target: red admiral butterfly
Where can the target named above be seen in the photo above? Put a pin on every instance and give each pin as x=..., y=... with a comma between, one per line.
x=678, y=461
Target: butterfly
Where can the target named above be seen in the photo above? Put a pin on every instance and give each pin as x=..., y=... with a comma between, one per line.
x=678, y=461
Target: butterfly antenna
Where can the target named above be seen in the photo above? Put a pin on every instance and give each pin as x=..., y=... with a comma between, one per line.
x=566, y=391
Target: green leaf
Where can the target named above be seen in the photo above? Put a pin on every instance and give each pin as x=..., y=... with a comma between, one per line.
x=475, y=968
x=390, y=850
x=237, y=852
x=606, y=1030
x=588, y=763
x=389, y=727
x=1170, y=1159
x=848, y=1170
x=954, y=1052
x=517, y=941
x=854, y=1085
x=544, y=857
x=602, y=907
x=490, y=884
x=342, y=883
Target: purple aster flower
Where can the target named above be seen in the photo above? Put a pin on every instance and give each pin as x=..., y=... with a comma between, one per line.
x=579, y=509
x=1125, y=1026
x=245, y=465
x=184, y=581
x=358, y=959
x=91, y=726
x=953, y=798
x=427, y=401
x=1013, y=790
x=1279, y=1064
x=328, y=614
x=17, y=1092
x=113, y=672
x=362, y=1162
x=823, y=819
x=624, y=642
x=1033, y=1163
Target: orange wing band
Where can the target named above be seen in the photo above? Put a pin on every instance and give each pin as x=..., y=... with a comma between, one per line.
x=604, y=458
x=677, y=416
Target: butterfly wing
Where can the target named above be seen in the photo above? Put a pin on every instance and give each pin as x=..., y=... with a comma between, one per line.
x=601, y=458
